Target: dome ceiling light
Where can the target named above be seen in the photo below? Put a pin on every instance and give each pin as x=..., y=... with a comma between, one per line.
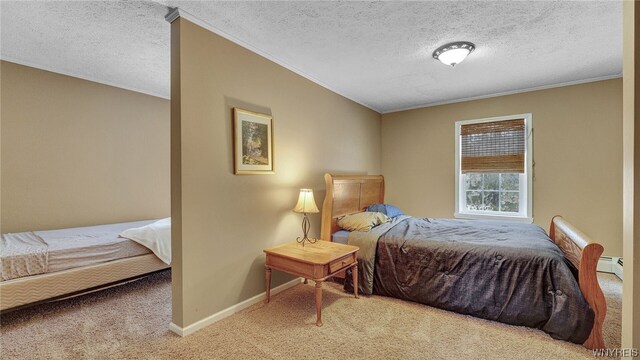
x=453, y=53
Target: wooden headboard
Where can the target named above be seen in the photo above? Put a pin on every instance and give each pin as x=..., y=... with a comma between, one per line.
x=348, y=194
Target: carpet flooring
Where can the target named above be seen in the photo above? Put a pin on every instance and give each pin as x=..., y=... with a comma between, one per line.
x=131, y=322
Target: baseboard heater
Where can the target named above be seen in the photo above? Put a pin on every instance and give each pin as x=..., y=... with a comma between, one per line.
x=617, y=268
x=611, y=265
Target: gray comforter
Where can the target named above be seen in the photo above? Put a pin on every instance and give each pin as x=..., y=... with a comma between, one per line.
x=502, y=271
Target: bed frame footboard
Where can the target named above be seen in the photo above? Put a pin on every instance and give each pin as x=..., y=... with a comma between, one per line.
x=584, y=254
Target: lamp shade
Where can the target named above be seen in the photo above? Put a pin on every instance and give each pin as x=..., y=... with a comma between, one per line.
x=306, y=203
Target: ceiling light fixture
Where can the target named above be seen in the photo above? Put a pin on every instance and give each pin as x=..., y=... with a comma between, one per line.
x=453, y=53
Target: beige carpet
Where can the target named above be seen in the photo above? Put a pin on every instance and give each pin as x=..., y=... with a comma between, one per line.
x=131, y=322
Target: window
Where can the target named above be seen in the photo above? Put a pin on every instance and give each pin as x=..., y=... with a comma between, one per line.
x=494, y=168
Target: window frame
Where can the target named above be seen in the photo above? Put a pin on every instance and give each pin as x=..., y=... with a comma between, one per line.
x=527, y=216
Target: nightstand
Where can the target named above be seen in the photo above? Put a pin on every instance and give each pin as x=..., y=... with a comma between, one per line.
x=318, y=262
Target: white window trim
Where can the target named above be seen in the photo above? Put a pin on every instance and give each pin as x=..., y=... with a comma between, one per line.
x=528, y=217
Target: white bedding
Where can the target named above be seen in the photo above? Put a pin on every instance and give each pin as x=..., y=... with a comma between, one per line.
x=22, y=254
x=156, y=237
x=39, y=252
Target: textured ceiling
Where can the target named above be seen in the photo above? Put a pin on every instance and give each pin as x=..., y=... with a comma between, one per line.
x=376, y=53
x=123, y=44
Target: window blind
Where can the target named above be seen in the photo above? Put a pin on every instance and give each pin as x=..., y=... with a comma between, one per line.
x=497, y=146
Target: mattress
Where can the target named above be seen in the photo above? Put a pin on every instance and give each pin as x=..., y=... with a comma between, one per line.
x=40, y=252
x=502, y=271
x=341, y=236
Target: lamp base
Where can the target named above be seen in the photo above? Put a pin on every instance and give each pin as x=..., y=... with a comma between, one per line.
x=306, y=225
x=305, y=239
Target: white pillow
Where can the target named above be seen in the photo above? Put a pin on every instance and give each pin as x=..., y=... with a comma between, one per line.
x=155, y=236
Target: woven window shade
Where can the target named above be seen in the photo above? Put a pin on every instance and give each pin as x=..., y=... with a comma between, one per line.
x=496, y=146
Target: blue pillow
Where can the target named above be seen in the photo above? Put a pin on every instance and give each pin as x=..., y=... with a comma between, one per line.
x=393, y=211
x=389, y=210
x=378, y=208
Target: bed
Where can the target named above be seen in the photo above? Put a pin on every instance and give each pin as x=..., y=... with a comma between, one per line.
x=45, y=265
x=428, y=271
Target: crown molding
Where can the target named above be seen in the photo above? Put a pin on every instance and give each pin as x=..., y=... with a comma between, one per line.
x=179, y=13
x=172, y=15
x=512, y=92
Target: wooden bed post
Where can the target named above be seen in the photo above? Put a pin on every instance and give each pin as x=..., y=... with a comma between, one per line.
x=584, y=255
x=327, y=209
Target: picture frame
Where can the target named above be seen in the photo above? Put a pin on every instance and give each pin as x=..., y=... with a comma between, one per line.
x=252, y=143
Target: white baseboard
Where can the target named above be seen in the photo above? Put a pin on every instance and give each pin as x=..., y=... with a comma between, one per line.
x=200, y=324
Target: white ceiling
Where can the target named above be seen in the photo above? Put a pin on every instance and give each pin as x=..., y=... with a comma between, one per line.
x=375, y=53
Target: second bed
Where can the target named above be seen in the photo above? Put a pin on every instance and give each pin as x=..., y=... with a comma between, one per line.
x=42, y=265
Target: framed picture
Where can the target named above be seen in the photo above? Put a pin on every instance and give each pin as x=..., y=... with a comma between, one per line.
x=252, y=142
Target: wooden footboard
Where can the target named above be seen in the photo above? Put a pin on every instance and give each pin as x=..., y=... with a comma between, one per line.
x=584, y=254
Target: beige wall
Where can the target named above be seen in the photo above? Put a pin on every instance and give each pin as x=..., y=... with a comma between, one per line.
x=77, y=153
x=577, y=152
x=631, y=179
x=227, y=220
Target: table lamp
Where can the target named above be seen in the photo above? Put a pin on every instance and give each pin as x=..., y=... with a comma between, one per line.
x=306, y=204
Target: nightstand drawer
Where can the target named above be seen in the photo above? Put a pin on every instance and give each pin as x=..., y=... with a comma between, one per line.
x=341, y=263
